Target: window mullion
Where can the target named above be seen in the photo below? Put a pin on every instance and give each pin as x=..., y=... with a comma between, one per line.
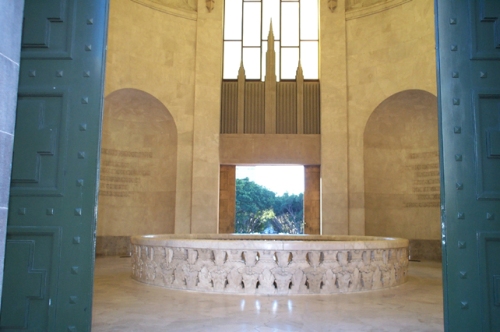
x=241, y=35
x=273, y=9
x=281, y=36
x=260, y=34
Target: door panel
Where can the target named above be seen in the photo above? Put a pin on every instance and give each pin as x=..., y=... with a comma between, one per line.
x=32, y=279
x=39, y=156
x=489, y=278
x=485, y=29
x=49, y=29
x=486, y=106
x=49, y=256
x=468, y=56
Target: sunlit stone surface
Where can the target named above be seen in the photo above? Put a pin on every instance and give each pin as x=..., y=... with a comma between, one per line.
x=280, y=265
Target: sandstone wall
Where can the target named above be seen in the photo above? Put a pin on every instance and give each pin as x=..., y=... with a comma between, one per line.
x=401, y=167
x=370, y=51
x=387, y=52
x=151, y=48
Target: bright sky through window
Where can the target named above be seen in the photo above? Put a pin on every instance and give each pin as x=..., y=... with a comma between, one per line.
x=279, y=179
x=246, y=29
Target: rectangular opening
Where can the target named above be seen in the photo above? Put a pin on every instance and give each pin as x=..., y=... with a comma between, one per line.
x=269, y=199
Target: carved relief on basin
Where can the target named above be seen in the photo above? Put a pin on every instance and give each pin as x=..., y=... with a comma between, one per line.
x=260, y=264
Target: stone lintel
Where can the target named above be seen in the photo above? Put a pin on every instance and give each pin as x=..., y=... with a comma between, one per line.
x=270, y=149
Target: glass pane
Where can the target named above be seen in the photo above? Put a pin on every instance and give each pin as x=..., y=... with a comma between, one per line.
x=277, y=48
x=290, y=24
x=232, y=59
x=309, y=59
x=277, y=51
x=263, y=54
x=251, y=24
x=271, y=11
x=289, y=63
x=232, y=19
x=251, y=62
x=309, y=19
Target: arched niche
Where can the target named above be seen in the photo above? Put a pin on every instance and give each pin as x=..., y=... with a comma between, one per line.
x=138, y=166
x=401, y=165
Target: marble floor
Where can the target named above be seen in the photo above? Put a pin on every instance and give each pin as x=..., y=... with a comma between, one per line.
x=122, y=304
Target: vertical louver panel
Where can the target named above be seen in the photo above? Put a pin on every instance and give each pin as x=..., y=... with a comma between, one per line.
x=254, y=108
x=286, y=108
x=311, y=108
x=229, y=108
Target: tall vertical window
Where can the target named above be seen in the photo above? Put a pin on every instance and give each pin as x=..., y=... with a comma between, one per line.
x=295, y=29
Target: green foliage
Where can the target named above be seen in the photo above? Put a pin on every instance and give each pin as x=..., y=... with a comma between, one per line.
x=252, y=202
x=259, y=210
x=289, y=210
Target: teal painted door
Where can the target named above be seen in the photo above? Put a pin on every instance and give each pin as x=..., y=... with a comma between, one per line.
x=49, y=259
x=468, y=45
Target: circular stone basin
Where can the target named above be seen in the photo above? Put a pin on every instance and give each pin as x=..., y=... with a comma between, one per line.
x=270, y=264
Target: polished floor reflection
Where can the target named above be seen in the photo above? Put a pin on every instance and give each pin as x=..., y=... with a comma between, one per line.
x=122, y=304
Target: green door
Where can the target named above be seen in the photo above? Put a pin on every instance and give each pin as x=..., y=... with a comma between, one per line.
x=468, y=45
x=49, y=258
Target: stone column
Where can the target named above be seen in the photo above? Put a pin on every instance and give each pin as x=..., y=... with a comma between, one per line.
x=205, y=193
x=11, y=18
x=334, y=142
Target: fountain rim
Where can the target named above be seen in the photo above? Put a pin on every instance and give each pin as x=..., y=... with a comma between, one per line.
x=269, y=241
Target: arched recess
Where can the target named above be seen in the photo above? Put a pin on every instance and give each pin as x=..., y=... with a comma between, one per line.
x=401, y=165
x=138, y=169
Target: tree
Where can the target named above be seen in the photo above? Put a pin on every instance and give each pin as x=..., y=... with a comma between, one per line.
x=289, y=210
x=259, y=210
x=252, y=200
